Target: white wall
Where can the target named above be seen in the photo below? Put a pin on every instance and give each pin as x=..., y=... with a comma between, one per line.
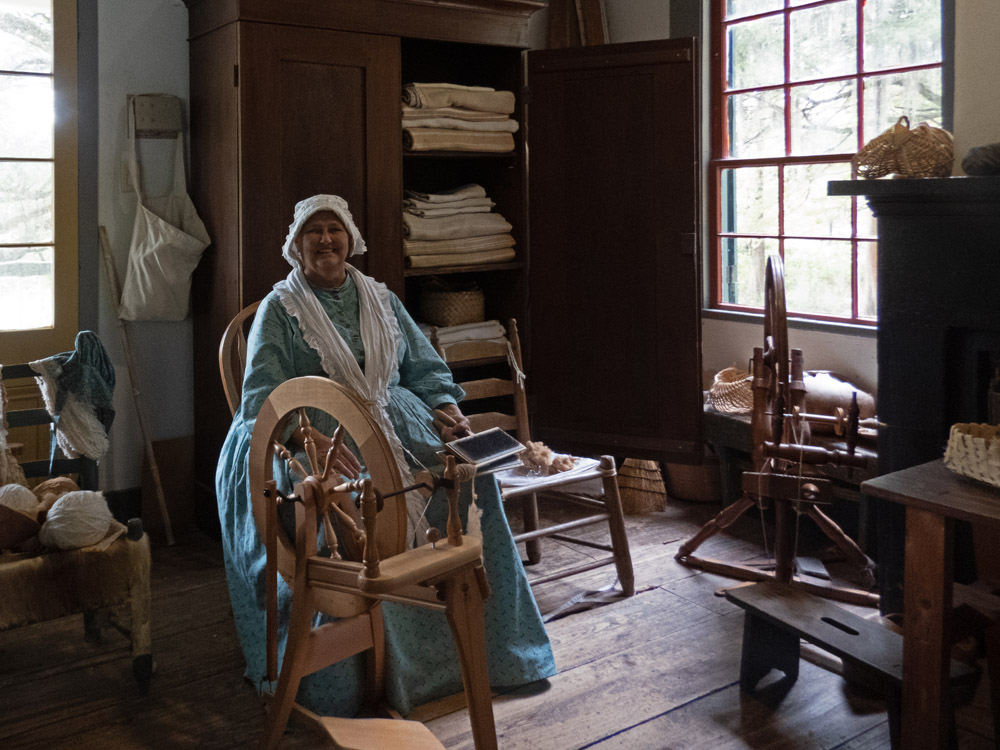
x=142, y=48
x=977, y=60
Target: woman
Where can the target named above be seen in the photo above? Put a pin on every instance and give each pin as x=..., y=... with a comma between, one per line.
x=327, y=318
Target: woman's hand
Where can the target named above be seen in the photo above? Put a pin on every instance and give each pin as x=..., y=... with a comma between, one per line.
x=343, y=460
x=451, y=423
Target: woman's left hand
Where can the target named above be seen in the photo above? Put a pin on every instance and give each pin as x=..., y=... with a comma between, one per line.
x=451, y=422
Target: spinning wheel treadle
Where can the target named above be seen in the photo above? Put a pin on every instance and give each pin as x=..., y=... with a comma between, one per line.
x=780, y=433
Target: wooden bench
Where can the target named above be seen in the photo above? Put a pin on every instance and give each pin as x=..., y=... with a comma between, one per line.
x=778, y=615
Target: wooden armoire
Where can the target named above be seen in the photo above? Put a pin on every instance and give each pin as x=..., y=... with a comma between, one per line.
x=295, y=97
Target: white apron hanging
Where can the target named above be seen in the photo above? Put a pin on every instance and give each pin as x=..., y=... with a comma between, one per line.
x=168, y=239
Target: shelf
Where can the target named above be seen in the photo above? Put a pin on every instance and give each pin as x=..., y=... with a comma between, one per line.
x=459, y=154
x=437, y=270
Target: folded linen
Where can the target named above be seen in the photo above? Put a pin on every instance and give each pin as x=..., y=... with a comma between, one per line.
x=453, y=227
x=463, y=192
x=430, y=213
x=451, y=123
x=443, y=139
x=461, y=259
x=440, y=203
x=461, y=245
x=456, y=113
x=489, y=329
x=481, y=98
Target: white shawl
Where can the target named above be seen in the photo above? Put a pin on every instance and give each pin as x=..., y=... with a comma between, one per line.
x=380, y=336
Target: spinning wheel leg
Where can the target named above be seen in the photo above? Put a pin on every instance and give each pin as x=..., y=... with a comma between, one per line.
x=464, y=609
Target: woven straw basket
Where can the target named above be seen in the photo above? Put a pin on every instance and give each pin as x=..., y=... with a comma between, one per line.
x=730, y=392
x=974, y=451
x=452, y=308
x=921, y=152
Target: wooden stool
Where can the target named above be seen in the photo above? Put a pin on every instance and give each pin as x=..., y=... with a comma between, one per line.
x=778, y=615
x=371, y=734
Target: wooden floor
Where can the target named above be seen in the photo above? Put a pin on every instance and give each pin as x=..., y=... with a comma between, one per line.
x=656, y=671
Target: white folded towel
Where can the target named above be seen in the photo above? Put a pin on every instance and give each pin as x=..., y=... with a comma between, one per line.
x=446, y=196
x=453, y=227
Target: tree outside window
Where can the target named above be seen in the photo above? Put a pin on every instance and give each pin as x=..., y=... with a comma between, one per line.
x=798, y=88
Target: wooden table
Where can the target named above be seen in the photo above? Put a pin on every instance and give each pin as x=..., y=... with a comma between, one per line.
x=934, y=498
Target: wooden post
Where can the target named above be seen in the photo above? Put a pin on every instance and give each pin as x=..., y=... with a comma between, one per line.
x=154, y=469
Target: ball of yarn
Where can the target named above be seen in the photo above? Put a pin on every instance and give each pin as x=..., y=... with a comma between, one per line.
x=20, y=498
x=77, y=519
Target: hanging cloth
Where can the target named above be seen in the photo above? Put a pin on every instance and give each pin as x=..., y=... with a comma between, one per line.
x=168, y=239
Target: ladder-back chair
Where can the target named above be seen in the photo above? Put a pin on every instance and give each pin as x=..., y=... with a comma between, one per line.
x=596, y=491
x=92, y=581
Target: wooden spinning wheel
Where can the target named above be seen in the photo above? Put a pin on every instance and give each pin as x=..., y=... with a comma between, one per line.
x=780, y=432
x=371, y=565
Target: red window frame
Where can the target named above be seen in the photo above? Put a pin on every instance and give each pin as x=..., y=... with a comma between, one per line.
x=720, y=159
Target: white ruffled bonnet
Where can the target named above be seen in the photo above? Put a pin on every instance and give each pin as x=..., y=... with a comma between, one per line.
x=306, y=208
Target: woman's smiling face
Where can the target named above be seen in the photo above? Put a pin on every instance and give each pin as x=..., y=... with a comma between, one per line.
x=324, y=244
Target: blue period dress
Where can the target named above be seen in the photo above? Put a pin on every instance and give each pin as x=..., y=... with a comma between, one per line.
x=421, y=661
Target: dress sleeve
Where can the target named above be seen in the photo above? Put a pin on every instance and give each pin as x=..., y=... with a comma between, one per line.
x=421, y=370
x=270, y=357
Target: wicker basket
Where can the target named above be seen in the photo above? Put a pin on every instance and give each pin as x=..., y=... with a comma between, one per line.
x=730, y=392
x=921, y=152
x=974, y=451
x=441, y=307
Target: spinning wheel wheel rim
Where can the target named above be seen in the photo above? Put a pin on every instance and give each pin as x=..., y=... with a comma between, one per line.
x=776, y=353
x=343, y=405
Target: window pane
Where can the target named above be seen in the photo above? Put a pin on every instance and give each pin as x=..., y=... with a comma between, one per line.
x=868, y=280
x=743, y=260
x=916, y=94
x=26, y=200
x=900, y=33
x=818, y=277
x=824, y=118
x=26, y=284
x=757, y=53
x=740, y=8
x=750, y=200
x=757, y=124
x=809, y=211
x=26, y=35
x=823, y=41
x=867, y=223
x=26, y=117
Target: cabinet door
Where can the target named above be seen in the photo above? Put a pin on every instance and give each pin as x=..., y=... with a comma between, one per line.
x=319, y=113
x=614, y=308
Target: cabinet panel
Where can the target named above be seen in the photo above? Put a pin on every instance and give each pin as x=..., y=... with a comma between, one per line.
x=325, y=115
x=614, y=308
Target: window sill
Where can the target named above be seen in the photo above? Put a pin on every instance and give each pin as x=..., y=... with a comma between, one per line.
x=799, y=324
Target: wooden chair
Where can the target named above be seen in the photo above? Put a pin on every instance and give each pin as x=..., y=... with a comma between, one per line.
x=233, y=354
x=596, y=491
x=447, y=575
x=92, y=581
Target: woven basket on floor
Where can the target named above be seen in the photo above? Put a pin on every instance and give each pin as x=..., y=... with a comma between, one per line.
x=921, y=152
x=641, y=486
x=730, y=392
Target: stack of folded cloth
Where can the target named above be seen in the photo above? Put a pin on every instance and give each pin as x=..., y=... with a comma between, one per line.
x=454, y=228
x=449, y=117
x=445, y=337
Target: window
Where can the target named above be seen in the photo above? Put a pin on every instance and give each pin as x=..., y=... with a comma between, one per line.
x=38, y=174
x=798, y=88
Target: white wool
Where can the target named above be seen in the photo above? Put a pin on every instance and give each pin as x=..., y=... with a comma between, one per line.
x=20, y=498
x=77, y=519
